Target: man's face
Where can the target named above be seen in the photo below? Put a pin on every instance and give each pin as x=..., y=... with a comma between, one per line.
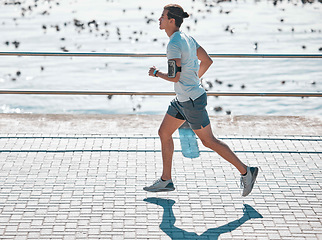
x=163, y=20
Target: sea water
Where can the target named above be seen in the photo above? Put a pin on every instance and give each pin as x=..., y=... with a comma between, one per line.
x=132, y=27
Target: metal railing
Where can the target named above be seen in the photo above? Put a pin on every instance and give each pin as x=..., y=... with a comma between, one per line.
x=209, y=93
x=96, y=54
x=145, y=93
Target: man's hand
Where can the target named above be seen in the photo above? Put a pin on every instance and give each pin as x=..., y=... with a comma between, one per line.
x=151, y=71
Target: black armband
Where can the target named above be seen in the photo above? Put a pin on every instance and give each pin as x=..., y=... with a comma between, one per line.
x=173, y=68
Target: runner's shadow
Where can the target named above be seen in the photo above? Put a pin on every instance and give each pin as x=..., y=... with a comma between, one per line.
x=168, y=221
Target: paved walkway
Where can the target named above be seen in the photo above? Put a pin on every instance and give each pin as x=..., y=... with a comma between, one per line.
x=81, y=177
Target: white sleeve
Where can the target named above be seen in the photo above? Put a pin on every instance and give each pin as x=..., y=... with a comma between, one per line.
x=197, y=44
x=173, y=50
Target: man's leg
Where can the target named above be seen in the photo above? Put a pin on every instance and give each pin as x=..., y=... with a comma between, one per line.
x=208, y=140
x=168, y=126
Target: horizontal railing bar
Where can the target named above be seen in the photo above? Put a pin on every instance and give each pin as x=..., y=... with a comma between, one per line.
x=96, y=54
x=144, y=93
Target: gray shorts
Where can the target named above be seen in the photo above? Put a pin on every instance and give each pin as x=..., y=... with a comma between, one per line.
x=193, y=111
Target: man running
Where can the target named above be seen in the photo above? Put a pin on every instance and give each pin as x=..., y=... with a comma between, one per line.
x=184, y=70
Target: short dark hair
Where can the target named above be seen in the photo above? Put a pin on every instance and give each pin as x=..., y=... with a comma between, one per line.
x=176, y=12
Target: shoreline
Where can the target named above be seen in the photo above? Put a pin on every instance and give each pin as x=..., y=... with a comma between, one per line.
x=142, y=124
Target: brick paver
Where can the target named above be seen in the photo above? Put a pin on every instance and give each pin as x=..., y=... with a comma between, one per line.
x=89, y=186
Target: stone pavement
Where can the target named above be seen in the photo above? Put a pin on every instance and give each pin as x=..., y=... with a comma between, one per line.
x=81, y=177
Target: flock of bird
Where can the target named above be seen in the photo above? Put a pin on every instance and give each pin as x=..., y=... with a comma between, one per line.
x=101, y=29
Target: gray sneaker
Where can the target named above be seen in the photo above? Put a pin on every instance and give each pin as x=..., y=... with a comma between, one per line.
x=160, y=186
x=247, y=182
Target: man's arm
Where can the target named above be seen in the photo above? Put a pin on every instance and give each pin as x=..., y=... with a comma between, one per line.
x=165, y=75
x=205, y=61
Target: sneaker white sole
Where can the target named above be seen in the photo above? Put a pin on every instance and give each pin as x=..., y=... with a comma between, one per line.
x=160, y=190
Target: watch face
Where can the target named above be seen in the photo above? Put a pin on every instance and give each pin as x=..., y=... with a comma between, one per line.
x=171, y=68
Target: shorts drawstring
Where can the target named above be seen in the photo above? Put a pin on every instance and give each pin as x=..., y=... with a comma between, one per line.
x=193, y=104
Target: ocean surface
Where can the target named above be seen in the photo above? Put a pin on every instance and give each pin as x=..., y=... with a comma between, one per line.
x=132, y=27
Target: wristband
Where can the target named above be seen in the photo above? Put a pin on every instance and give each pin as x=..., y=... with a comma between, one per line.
x=155, y=72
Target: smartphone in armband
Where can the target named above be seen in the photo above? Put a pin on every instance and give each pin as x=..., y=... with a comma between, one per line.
x=173, y=68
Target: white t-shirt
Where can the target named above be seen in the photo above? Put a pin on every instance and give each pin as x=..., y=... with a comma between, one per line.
x=185, y=47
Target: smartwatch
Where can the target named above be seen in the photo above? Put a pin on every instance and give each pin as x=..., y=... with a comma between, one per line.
x=155, y=72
